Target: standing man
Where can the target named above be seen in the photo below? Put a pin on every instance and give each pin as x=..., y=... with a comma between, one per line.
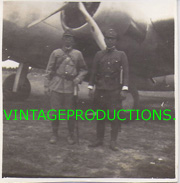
x=65, y=70
x=110, y=76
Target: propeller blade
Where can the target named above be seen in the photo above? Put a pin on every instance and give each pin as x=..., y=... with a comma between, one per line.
x=42, y=19
x=96, y=32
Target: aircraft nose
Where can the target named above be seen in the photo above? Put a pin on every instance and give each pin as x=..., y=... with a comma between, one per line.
x=73, y=17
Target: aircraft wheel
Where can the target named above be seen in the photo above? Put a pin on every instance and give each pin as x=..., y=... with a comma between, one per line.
x=22, y=93
x=131, y=102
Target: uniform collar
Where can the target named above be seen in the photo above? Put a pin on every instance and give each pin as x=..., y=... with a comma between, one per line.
x=110, y=49
x=67, y=49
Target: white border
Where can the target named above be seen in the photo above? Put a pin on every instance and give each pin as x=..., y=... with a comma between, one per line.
x=177, y=129
x=1, y=93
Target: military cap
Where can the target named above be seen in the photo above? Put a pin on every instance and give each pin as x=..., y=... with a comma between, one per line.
x=68, y=33
x=110, y=33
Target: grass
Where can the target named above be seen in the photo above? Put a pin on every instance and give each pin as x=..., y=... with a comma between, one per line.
x=146, y=148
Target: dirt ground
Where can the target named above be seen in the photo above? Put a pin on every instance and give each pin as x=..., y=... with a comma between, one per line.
x=146, y=148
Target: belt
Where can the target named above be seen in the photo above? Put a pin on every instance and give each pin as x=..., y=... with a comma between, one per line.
x=113, y=75
x=65, y=76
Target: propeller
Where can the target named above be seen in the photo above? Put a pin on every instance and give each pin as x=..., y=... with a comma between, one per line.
x=95, y=30
x=42, y=19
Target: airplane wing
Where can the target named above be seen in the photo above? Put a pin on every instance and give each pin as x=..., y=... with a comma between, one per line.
x=30, y=45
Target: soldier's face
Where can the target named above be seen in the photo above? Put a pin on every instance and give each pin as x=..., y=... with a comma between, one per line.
x=110, y=42
x=68, y=41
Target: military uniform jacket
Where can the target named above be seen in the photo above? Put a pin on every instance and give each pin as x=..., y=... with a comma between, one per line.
x=106, y=70
x=64, y=62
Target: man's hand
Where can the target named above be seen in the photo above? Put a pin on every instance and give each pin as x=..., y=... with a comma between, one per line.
x=123, y=94
x=91, y=93
x=47, y=91
x=76, y=81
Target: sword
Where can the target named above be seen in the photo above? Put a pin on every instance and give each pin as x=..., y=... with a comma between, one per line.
x=76, y=89
x=121, y=75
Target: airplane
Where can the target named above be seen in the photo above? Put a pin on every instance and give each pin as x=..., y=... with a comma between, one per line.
x=32, y=30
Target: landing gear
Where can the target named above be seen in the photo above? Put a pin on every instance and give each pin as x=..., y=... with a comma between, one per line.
x=16, y=87
x=131, y=102
x=22, y=93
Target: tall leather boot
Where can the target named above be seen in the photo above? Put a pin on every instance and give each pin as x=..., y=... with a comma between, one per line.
x=55, y=126
x=100, y=130
x=114, y=135
x=71, y=125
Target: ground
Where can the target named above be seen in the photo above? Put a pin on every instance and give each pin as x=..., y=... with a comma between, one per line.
x=146, y=148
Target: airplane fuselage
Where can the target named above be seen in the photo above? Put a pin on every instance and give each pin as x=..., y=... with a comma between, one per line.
x=149, y=44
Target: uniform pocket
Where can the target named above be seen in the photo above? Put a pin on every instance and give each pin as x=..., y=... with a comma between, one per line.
x=70, y=69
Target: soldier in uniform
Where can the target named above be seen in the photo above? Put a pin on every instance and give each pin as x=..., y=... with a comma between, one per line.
x=110, y=76
x=65, y=70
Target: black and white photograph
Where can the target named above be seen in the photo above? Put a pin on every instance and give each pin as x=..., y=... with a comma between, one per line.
x=89, y=90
